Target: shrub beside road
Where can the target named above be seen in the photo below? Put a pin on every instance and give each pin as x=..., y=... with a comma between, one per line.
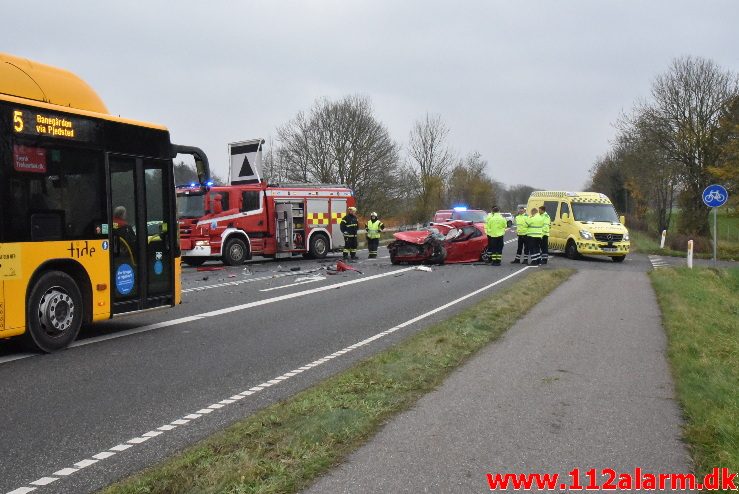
x=700, y=312
x=283, y=448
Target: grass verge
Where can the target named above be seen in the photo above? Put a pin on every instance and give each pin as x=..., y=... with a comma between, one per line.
x=700, y=312
x=286, y=446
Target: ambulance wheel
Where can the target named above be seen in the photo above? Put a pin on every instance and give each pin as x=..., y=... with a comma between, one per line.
x=194, y=261
x=571, y=250
x=318, y=246
x=234, y=254
x=618, y=258
x=54, y=312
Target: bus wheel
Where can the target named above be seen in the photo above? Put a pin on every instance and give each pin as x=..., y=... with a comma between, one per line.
x=194, y=261
x=318, y=246
x=54, y=312
x=571, y=250
x=235, y=252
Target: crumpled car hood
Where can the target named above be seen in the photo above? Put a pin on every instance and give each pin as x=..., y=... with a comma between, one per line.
x=413, y=237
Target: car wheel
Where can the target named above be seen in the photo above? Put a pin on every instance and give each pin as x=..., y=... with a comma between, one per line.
x=235, y=252
x=318, y=246
x=618, y=258
x=54, y=312
x=194, y=261
x=571, y=250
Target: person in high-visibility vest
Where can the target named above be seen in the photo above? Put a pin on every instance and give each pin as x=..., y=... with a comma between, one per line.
x=374, y=226
x=545, y=234
x=495, y=226
x=534, y=227
x=349, y=226
x=523, y=248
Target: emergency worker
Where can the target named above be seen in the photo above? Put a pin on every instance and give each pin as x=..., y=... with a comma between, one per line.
x=374, y=226
x=349, y=225
x=521, y=230
x=495, y=226
x=534, y=227
x=545, y=234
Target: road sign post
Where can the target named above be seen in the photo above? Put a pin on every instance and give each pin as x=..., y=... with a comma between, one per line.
x=715, y=196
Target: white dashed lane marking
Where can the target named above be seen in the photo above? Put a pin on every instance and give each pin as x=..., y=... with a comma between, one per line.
x=65, y=472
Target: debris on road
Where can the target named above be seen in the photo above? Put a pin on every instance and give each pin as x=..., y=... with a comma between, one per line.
x=423, y=268
x=342, y=266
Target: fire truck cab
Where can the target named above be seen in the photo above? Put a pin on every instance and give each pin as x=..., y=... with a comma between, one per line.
x=236, y=222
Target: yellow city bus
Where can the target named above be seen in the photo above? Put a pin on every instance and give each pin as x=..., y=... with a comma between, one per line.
x=88, y=226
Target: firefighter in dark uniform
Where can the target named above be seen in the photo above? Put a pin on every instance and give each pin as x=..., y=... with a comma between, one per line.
x=374, y=226
x=349, y=225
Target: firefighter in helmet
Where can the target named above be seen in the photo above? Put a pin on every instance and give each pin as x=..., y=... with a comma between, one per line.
x=374, y=226
x=349, y=225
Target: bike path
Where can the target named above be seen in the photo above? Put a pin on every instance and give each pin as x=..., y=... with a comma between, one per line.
x=581, y=381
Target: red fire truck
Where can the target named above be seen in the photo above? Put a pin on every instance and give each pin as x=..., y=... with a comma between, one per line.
x=236, y=222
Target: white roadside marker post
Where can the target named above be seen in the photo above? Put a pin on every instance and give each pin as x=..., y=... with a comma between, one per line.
x=662, y=240
x=690, y=254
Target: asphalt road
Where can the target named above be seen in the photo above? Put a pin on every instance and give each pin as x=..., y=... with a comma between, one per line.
x=134, y=390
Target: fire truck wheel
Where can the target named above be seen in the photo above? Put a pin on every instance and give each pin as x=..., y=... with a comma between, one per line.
x=54, y=312
x=235, y=252
x=318, y=246
x=194, y=261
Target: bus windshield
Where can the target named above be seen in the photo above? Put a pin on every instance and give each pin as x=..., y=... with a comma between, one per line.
x=594, y=212
x=190, y=206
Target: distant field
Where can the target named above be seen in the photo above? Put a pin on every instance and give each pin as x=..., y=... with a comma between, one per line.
x=676, y=244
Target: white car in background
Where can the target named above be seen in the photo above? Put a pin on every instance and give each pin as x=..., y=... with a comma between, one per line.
x=509, y=218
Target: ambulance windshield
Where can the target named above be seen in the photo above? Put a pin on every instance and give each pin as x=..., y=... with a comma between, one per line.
x=594, y=212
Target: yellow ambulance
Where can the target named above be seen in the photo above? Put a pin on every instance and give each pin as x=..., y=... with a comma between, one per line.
x=583, y=223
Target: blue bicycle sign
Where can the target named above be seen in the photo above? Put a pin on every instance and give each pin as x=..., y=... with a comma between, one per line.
x=715, y=196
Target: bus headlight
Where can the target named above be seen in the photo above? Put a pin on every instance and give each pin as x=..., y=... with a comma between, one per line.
x=586, y=235
x=202, y=243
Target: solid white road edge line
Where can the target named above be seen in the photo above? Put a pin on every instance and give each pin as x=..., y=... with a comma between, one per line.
x=184, y=320
x=277, y=380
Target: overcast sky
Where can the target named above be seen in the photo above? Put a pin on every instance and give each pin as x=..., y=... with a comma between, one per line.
x=533, y=86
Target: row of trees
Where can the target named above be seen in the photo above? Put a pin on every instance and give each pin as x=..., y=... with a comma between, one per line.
x=343, y=142
x=669, y=148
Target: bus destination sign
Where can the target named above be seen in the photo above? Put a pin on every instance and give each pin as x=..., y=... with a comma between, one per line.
x=52, y=125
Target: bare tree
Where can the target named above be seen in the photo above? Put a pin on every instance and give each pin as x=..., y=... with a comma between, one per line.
x=342, y=142
x=690, y=101
x=470, y=185
x=430, y=159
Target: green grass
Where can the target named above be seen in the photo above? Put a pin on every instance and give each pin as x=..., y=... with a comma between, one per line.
x=284, y=447
x=727, y=232
x=700, y=312
x=647, y=244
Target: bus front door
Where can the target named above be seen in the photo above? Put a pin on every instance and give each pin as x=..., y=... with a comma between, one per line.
x=140, y=245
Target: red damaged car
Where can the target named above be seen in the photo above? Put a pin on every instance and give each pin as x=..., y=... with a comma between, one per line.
x=455, y=241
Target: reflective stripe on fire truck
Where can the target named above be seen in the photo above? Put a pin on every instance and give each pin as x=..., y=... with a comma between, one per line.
x=318, y=218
